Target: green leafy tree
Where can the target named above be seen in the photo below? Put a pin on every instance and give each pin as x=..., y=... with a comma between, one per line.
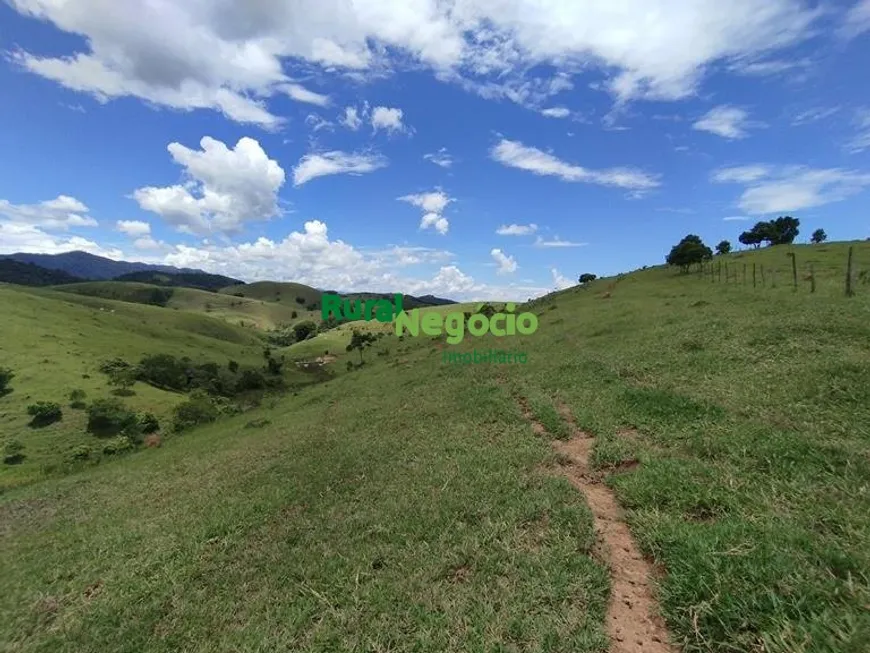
x=752, y=237
x=781, y=231
x=303, y=330
x=360, y=341
x=587, y=277
x=819, y=236
x=723, y=247
x=107, y=417
x=687, y=252
x=122, y=381
x=6, y=376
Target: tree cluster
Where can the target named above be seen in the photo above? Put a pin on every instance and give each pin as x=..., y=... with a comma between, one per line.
x=689, y=251
x=781, y=231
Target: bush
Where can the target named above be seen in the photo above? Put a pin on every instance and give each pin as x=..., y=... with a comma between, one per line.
x=164, y=371
x=233, y=367
x=303, y=329
x=107, y=417
x=12, y=452
x=44, y=413
x=81, y=452
x=122, y=380
x=6, y=376
x=117, y=445
x=148, y=423
x=197, y=410
x=251, y=379
x=77, y=399
x=114, y=365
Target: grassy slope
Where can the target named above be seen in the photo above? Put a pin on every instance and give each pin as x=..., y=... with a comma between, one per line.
x=243, y=311
x=404, y=507
x=51, y=339
x=274, y=291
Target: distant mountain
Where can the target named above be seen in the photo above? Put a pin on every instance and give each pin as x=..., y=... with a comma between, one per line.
x=28, y=274
x=198, y=280
x=409, y=302
x=88, y=266
x=432, y=300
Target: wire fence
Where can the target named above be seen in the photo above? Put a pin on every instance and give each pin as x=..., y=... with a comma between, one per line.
x=804, y=270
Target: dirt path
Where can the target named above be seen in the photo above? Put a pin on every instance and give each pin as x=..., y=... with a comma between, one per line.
x=633, y=621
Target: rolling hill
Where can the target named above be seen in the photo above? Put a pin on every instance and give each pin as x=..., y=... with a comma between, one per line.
x=90, y=266
x=418, y=505
x=28, y=274
x=198, y=280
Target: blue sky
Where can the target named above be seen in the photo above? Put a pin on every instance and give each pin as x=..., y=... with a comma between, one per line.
x=427, y=146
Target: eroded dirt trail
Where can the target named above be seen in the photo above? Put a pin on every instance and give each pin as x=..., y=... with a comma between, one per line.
x=633, y=621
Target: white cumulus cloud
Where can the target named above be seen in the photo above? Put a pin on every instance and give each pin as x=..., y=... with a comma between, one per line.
x=61, y=213
x=517, y=229
x=225, y=187
x=725, y=121
x=440, y=158
x=133, y=228
x=388, y=119
x=506, y=264
x=433, y=205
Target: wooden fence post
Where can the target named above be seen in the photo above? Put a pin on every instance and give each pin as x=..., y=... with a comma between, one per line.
x=726, y=271
x=849, y=290
x=763, y=279
x=812, y=278
x=744, y=274
x=753, y=275
x=720, y=271
x=793, y=268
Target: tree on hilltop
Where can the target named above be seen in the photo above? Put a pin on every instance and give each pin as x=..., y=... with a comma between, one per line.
x=781, y=231
x=360, y=341
x=723, y=247
x=587, y=277
x=819, y=236
x=688, y=251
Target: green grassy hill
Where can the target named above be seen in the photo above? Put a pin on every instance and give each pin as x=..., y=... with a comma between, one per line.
x=410, y=506
x=242, y=311
x=289, y=294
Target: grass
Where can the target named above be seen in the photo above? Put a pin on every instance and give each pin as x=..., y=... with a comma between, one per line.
x=406, y=506
x=277, y=292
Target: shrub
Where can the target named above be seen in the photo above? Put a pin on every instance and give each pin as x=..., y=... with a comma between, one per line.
x=111, y=366
x=117, y=445
x=122, y=381
x=77, y=399
x=108, y=417
x=300, y=300
x=303, y=329
x=251, y=379
x=164, y=371
x=233, y=366
x=293, y=315
x=197, y=410
x=81, y=452
x=44, y=413
x=6, y=376
x=12, y=452
x=148, y=423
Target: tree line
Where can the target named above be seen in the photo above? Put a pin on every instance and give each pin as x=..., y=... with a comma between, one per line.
x=691, y=250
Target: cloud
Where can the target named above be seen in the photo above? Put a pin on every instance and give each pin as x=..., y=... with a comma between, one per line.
x=351, y=118
x=773, y=67
x=302, y=94
x=225, y=187
x=387, y=118
x=813, y=115
x=62, y=213
x=312, y=166
x=741, y=174
x=725, y=121
x=506, y=264
x=440, y=158
x=311, y=257
x=232, y=56
x=517, y=230
x=856, y=20
x=734, y=218
x=435, y=221
x=433, y=205
x=133, y=228
x=516, y=155
x=317, y=123
x=147, y=243
x=778, y=189
x=861, y=139
x=556, y=242
x=19, y=237
x=556, y=112
x=560, y=282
